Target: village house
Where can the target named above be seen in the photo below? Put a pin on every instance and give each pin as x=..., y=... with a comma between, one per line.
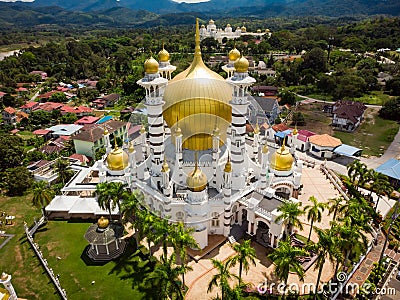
x=91, y=138
x=9, y=115
x=87, y=120
x=302, y=139
x=322, y=145
x=268, y=110
x=42, y=74
x=105, y=101
x=29, y=107
x=64, y=130
x=347, y=115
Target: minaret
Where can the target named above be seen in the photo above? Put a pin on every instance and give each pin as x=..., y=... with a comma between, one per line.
x=107, y=140
x=165, y=179
x=5, y=279
x=165, y=67
x=233, y=55
x=227, y=196
x=143, y=141
x=241, y=82
x=256, y=142
x=293, y=141
x=264, y=166
x=215, y=154
x=178, y=152
x=132, y=160
x=154, y=85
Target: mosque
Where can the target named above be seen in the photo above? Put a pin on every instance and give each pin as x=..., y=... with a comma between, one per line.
x=211, y=31
x=194, y=161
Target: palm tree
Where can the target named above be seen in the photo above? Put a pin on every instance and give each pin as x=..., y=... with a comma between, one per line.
x=314, y=213
x=381, y=187
x=166, y=277
x=162, y=233
x=290, y=212
x=117, y=191
x=222, y=278
x=181, y=239
x=334, y=206
x=245, y=254
x=285, y=258
x=358, y=173
x=42, y=195
x=326, y=247
x=64, y=171
x=104, y=196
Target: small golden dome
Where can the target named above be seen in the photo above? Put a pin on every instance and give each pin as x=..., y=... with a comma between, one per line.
x=211, y=21
x=241, y=65
x=163, y=55
x=117, y=159
x=257, y=129
x=258, y=30
x=202, y=26
x=265, y=148
x=165, y=167
x=197, y=180
x=228, y=166
x=243, y=29
x=228, y=25
x=151, y=66
x=267, y=30
x=105, y=131
x=282, y=160
x=295, y=132
x=142, y=129
x=234, y=54
x=102, y=222
x=131, y=148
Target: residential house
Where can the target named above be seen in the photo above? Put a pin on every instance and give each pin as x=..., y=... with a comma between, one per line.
x=268, y=110
x=391, y=168
x=56, y=145
x=42, y=74
x=64, y=130
x=21, y=115
x=347, y=115
x=46, y=134
x=46, y=96
x=105, y=101
x=79, y=111
x=322, y=145
x=302, y=139
x=9, y=115
x=28, y=107
x=265, y=90
x=87, y=120
x=91, y=138
x=271, y=132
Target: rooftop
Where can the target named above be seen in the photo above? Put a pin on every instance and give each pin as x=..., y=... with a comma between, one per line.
x=390, y=168
x=325, y=140
x=65, y=129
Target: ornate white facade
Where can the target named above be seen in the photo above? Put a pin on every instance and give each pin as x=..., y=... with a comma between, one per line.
x=236, y=182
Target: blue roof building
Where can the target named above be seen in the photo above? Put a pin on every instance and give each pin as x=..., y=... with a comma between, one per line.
x=391, y=169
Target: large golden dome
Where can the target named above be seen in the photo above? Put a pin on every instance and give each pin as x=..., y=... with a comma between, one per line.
x=163, y=55
x=151, y=66
x=234, y=54
x=196, y=180
x=198, y=99
x=117, y=159
x=282, y=160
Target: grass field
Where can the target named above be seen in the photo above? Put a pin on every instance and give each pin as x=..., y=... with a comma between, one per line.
x=373, y=136
x=114, y=280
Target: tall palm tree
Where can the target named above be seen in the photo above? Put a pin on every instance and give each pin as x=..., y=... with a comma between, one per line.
x=162, y=233
x=117, y=191
x=42, y=195
x=64, y=170
x=245, y=254
x=222, y=278
x=104, y=196
x=314, y=213
x=326, y=247
x=166, y=277
x=290, y=212
x=382, y=187
x=182, y=238
x=334, y=206
x=358, y=173
x=285, y=258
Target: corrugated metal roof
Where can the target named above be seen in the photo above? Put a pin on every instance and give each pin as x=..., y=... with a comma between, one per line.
x=347, y=150
x=390, y=168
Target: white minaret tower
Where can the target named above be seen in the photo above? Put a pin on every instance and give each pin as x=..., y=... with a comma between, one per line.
x=143, y=141
x=132, y=160
x=154, y=85
x=5, y=279
x=293, y=141
x=264, y=166
x=107, y=140
x=256, y=142
x=241, y=82
x=215, y=154
x=227, y=189
x=233, y=56
x=165, y=67
x=178, y=153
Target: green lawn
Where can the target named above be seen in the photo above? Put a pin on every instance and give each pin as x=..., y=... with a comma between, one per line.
x=375, y=98
x=374, y=135
x=114, y=280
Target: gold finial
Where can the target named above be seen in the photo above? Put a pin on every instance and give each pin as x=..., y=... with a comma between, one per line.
x=165, y=167
x=131, y=148
x=257, y=129
x=228, y=165
x=295, y=131
x=142, y=129
x=115, y=143
x=283, y=143
x=196, y=157
x=197, y=51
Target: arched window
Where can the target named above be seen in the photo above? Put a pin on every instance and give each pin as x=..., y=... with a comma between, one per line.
x=215, y=219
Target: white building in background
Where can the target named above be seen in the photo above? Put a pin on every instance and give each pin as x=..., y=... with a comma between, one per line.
x=211, y=31
x=193, y=163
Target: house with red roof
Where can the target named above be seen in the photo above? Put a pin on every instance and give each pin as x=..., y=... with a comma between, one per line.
x=49, y=106
x=77, y=110
x=87, y=120
x=347, y=115
x=106, y=100
x=302, y=139
x=29, y=106
x=42, y=74
x=46, y=96
x=9, y=115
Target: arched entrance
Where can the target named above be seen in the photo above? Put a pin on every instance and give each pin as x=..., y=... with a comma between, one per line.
x=283, y=192
x=263, y=236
